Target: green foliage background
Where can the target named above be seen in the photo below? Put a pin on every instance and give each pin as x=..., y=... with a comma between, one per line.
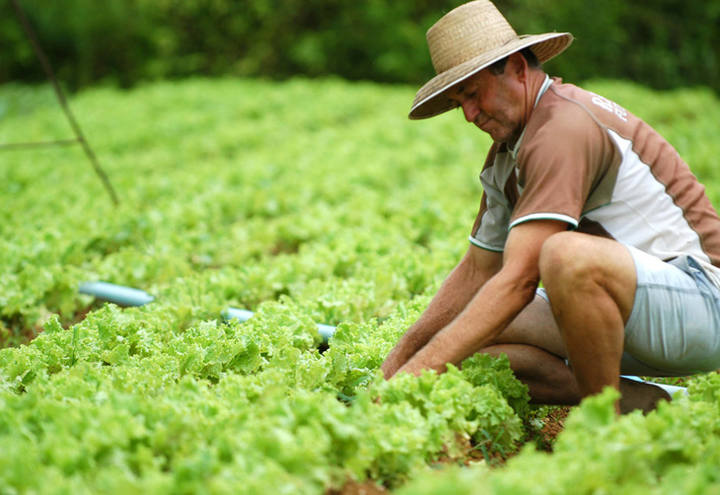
x=660, y=43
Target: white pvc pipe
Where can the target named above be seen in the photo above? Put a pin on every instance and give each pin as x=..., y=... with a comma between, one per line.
x=127, y=296
x=122, y=296
x=325, y=331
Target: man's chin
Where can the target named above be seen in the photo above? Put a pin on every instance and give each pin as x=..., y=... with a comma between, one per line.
x=496, y=134
x=504, y=138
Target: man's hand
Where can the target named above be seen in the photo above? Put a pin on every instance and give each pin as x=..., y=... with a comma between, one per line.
x=417, y=365
x=477, y=266
x=494, y=306
x=392, y=363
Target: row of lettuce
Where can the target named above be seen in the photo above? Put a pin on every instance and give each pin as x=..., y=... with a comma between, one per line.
x=307, y=202
x=135, y=400
x=157, y=400
x=675, y=449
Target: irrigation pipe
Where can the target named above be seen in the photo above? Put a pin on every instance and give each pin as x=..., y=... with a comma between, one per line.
x=117, y=294
x=127, y=296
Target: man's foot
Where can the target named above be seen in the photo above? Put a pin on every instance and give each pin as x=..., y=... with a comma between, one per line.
x=640, y=395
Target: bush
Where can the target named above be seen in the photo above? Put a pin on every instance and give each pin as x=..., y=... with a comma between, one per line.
x=131, y=40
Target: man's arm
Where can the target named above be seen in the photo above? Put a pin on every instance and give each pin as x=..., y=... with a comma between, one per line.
x=477, y=267
x=496, y=304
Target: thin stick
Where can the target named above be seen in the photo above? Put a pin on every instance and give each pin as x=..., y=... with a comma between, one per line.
x=63, y=103
x=38, y=144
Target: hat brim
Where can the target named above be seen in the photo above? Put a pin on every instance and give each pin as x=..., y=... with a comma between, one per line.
x=430, y=100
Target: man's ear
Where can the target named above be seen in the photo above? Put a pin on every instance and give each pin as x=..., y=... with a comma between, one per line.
x=517, y=66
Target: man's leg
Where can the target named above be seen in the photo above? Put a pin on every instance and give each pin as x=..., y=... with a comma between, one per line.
x=535, y=347
x=591, y=283
x=548, y=378
x=550, y=381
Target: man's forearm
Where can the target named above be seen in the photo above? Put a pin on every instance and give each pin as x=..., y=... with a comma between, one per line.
x=492, y=308
x=441, y=311
x=452, y=297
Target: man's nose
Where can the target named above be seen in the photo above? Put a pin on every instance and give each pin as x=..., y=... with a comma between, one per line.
x=470, y=109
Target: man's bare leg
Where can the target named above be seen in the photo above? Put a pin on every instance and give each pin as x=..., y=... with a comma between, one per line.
x=537, y=353
x=550, y=381
x=534, y=346
x=546, y=375
x=590, y=282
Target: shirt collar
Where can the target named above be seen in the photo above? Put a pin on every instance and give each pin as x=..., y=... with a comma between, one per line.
x=545, y=85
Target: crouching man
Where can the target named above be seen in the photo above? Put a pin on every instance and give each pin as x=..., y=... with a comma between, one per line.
x=578, y=194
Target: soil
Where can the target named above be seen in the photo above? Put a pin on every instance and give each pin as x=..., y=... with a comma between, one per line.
x=553, y=425
x=356, y=488
x=14, y=333
x=80, y=315
x=468, y=453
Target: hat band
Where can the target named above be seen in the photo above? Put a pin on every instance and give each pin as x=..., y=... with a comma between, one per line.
x=459, y=51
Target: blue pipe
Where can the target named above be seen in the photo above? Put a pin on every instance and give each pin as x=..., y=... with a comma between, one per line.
x=126, y=296
x=122, y=296
x=239, y=314
x=325, y=331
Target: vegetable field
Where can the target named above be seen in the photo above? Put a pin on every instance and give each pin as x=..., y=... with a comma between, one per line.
x=306, y=202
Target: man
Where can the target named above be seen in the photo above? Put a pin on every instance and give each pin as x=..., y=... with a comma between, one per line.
x=583, y=196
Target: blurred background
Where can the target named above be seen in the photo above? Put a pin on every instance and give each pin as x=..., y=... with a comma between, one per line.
x=659, y=43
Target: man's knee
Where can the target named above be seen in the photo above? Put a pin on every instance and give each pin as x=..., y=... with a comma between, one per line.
x=572, y=263
x=567, y=258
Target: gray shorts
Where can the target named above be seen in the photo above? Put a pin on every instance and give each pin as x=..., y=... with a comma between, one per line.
x=674, y=326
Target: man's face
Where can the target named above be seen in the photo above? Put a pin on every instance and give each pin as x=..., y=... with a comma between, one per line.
x=494, y=103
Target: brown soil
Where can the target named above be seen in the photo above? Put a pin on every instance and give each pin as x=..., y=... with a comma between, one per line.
x=80, y=315
x=470, y=452
x=357, y=488
x=15, y=337
x=15, y=334
x=553, y=425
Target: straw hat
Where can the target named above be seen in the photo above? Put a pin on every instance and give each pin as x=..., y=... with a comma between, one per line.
x=466, y=40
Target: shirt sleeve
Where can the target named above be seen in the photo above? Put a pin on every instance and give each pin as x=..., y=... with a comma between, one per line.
x=491, y=224
x=559, y=162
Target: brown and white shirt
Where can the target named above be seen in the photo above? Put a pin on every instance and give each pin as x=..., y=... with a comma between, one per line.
x=584, y=160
